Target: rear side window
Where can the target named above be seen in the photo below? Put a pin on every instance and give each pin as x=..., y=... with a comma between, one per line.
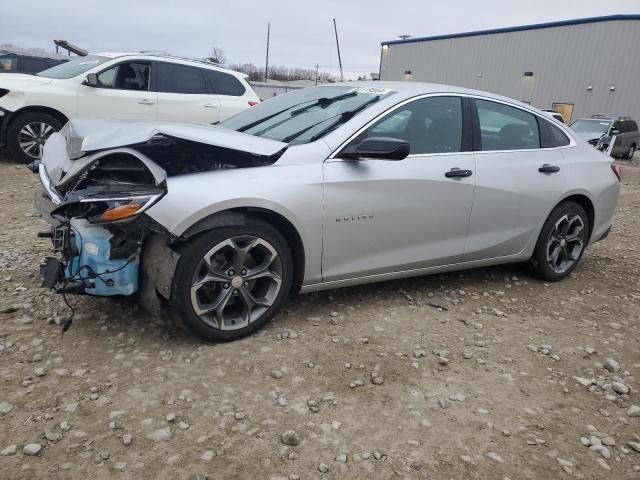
x=223, y=84
x=551, y=136
x=506, y=128
x=633, y=126
x=174, y=78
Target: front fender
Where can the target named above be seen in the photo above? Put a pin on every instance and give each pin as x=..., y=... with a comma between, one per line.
x=294, y=192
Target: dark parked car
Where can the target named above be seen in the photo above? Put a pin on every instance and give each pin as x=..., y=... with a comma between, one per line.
x=26, y=63
x=599, y=130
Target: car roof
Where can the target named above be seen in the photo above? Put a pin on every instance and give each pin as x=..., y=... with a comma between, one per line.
x=596, y=118
x=49, y=56
x=412, y=89
x=165, y=55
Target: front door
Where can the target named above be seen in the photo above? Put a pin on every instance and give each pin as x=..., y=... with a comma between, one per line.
x=383, y=216
x=123, y=92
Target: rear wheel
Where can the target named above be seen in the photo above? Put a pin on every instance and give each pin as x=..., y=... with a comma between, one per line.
x=28, y=133
x=631, y=152
x=561, y=243
x=231, y=281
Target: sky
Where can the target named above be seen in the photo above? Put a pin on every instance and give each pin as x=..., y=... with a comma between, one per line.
x=301, y=31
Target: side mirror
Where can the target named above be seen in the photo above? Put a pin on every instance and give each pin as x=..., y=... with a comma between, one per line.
x=92, y=81
x=384, y=148
x=615, y=131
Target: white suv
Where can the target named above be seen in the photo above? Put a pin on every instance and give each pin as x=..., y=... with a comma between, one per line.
x=123, y=85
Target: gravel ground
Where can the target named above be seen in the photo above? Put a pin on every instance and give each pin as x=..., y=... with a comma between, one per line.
x=485, y=374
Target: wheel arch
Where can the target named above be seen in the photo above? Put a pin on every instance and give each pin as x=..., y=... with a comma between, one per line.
x=586, y=203
x=57, y=114
x=238, y=216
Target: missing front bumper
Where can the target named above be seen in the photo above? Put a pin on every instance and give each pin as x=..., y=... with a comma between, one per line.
x=92, y=261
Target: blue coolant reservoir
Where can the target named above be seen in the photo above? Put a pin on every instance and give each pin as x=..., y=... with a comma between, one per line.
x=92, y=243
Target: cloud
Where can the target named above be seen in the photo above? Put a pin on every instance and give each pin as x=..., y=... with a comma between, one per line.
x=301, y=31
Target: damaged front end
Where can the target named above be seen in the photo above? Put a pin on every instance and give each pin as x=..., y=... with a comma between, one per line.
x=99, y=178
x=95, y=217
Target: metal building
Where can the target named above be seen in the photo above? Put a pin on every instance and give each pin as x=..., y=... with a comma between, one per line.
x=579, y=67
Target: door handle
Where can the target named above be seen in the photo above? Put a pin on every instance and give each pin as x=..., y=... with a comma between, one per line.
x=210, y=105
x=144, y=101
x=546, y=168
x=455, y=172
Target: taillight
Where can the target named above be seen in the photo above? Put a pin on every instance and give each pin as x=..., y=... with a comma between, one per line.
x=616, y=169
x=252, y=103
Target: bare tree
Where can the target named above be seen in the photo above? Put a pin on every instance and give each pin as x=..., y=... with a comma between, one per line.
x=280, y=72
x=216, y=55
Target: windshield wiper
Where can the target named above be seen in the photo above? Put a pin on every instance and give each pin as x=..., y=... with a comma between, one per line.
x=344, y=117
x=321, y=101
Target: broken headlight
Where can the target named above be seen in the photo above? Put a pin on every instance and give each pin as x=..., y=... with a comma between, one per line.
x=99, y=205
x=116, y=208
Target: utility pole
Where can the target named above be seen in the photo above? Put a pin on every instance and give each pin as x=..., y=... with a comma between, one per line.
x=335, y=28
x=266, y=66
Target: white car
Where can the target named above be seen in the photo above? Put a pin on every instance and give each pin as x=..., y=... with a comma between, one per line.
x=118, y=85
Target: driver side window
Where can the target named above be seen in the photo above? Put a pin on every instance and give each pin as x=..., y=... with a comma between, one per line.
x=126, y=76
x=430, y=125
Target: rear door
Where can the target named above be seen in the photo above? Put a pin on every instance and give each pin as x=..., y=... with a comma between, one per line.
x=183, y=95
x=384, y=216
x=520, y=172
x=230, y=92
x=124, y=92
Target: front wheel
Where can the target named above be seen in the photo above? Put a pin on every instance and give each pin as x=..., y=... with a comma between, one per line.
x=231, y=281
x=28, y=133
x=561, y=243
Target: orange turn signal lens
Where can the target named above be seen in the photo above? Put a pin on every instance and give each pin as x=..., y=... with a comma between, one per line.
x=121, y=212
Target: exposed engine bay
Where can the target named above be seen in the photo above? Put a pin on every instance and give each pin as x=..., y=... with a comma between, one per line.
x=94, y=198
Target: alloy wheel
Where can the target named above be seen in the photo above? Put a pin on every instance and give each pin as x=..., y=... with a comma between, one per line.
x=32, y=138
x=236, y=282
x=566, y=242
x=632, y=151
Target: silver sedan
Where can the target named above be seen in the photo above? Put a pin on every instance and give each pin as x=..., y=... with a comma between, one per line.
x=321, y=188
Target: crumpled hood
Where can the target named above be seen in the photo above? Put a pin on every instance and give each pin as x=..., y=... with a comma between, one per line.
x=90, y=134
x=589, y=135
x=13, y=81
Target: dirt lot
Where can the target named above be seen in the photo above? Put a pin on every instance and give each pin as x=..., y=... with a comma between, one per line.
x=484, y=387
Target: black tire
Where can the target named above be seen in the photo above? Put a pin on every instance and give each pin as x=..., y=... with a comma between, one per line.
x=540, y=264
x=18, y=123
x=192, y=253
x=630, y=152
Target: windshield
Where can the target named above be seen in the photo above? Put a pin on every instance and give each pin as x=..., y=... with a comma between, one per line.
x=305, y=115
x=589, y=125
x=74, y=67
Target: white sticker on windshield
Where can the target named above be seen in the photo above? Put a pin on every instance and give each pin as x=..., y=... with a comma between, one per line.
x=373, y=90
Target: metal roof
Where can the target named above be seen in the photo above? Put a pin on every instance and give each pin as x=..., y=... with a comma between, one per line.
x=578, y=21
